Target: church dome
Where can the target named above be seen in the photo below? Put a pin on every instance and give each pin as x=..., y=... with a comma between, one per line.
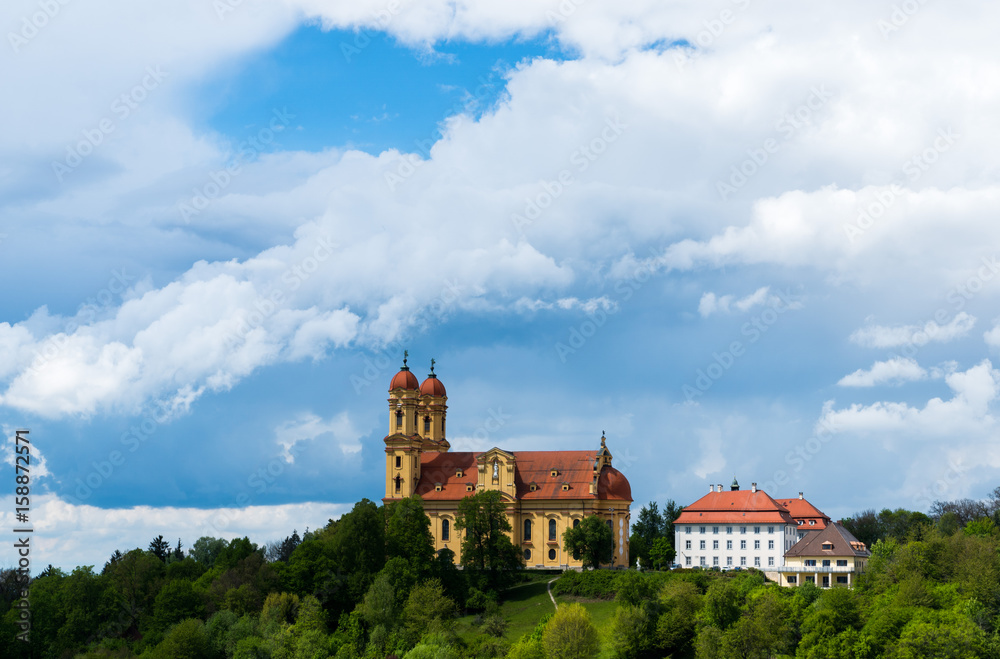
x=403, y=380
x=432, y=386
x=612, y=484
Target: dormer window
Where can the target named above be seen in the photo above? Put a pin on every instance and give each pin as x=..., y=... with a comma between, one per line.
x=468, y=487
x=812, y=522
x=554, y=473
x=458, y=473
x=565, y=487
x=532, y=487
x=828, y=545
x=437, y=487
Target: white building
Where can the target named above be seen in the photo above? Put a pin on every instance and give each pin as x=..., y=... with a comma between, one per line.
x=735, y=528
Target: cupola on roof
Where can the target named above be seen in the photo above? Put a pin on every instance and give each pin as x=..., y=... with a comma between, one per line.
x=404, y=379
x=432, y=386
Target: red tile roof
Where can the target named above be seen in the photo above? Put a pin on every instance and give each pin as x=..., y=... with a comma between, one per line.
x=432, y=387
x=735, y=507
x=573, y=468
x=839, y=539
x=800, y=509
x=403, y=380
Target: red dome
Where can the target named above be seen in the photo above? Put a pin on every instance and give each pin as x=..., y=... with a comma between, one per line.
x=432, y=387
x=612, y=484
x=403, y=380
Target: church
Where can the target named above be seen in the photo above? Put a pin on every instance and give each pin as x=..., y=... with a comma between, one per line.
x=546, y=492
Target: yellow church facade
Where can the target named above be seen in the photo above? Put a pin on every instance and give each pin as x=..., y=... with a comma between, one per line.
x=546, y=492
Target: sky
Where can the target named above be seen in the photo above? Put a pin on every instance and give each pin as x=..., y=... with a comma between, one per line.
x=739, y=237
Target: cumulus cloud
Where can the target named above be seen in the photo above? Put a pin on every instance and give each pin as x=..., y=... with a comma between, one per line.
x=968, y=410
x=892, y=371
x=307, y=427
x=85, y=535
x=710, y=303
x=882, y=336
x=992, y=336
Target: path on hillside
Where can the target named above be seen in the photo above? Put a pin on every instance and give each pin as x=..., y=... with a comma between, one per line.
x=548, y=588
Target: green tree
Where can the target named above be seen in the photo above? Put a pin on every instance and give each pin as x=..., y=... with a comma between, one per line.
x=722, y=604
x=160, y=548
x=662, y=553
x=632, y=631
x=765, y=632
x=177, y=601
x=206, y=549
x=427, y=609
x=591, y=540
x=408, y=533
x=486, y=547
x=570, y=634
x=680, y=602
x=135, y=580
x=185, y=640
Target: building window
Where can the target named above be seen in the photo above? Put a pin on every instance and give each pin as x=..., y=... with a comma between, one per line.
x=552, y=554
x=527, y=529
x=810, y=562
x=576, y=523
x=527, y=554
x=770, y=544
x=442, y=427
x=841, y=563
x=687, y=544
x=756, y=529
x=458, y=473
x=399, y=419
x=812, y=522
x=702, y=561
x=701, y=529
x=399, y=462
x=756, y=544
x=532, y=487
x=743, y=544
x=743, y=560
x=770, y=529
x=743, y=529
x=828, y=545
x=715, y=530
x=756, y=561
x=437, y=487
x=687, y=561
x=826, y=563
x=445, y=530
x=399, y=484
x=427, y=425
x=841, y=579
x=792, y=579
x=701, y=544
x=811, y=579
x=715, y=560
x=552, y=529
x=729, y=544
x=770, y=560
x=729, y=560
x=826, y=582
x=729, y=529
x=611, y=526
x=715, y=544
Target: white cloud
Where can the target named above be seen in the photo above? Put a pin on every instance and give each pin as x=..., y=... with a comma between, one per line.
x=882, y=336
x=892, y=371
x=307, y=427
x=710, y=304
x=968, y=411
x=711, y=459
x=992, y=336
x=69, y=535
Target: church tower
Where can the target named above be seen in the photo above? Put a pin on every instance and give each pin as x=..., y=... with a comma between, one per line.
x=433, y=409
x=402, y=445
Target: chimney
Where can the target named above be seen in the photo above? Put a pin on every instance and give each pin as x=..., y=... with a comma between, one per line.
x=800, y=495
x=753, y=487
x=711, y=488
x=719, y=488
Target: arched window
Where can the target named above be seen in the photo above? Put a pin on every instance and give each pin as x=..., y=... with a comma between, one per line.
x=576, y=523
x=610, y=526
x=399, y=483
x=427, y=425
x=552, y=529
x=445, y=530
x=527, y=529
x=399, y=419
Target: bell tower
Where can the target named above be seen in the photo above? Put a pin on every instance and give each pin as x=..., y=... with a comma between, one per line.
x=432, y=413
x=403, y=444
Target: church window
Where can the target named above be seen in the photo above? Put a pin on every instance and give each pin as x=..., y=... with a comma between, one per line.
x=576, y=523
x=399, y=419
x=442, y=427
x=552, y=529
x=427, y=425
x=527, y=530
x=552, y=554
x=399, y=462
x=527, y=554
x=399, y=484
x=445, y=530
x=611, y=526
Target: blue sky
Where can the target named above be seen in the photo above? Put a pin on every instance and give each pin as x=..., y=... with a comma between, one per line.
x=741, y=240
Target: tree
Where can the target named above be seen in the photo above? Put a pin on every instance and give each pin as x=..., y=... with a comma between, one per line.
x=591, y=540
x=570, y=634
x=662, y=553
x=160, y=548
x=206, y=549
x=427, y=609
x=486, y=548
x=408, y=533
